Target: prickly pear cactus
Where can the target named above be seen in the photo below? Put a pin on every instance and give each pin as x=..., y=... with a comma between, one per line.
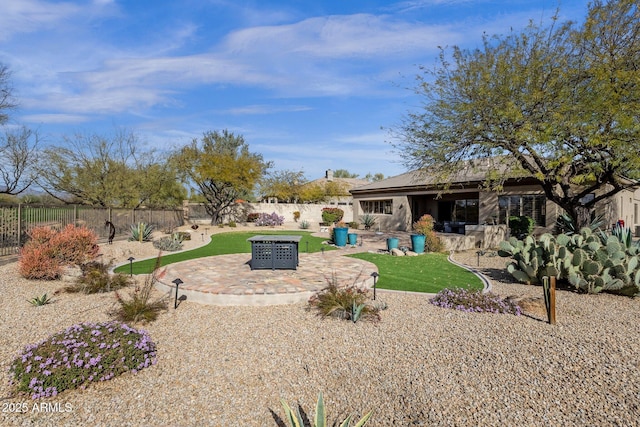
x=591, y=262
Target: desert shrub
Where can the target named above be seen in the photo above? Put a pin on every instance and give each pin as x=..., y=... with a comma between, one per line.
x=47, y=251
x=332, y=215
x=304, y=224
x=253, y=216
x=183, y=235
x=296, y=216
x=138, y=306
x=474, y=300
x=81, y=354
x=521, y=226
x=140, y=232
x=432, y=242
x=170, y=244
x=232, y=224
x=38, y=262
x=75, y=245
x=95, y=279
x=269, y=219
x=354, y=225
x=424, y=225
x=348, y=302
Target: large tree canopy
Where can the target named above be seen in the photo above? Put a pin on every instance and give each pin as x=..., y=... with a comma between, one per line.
x=222, y=168
x=110, y=172
x=559, y=103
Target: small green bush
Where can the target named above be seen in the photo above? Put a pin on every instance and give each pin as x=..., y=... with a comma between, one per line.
x=95, y=279
x=521, y=226
x=81, y=354
x=332, y=215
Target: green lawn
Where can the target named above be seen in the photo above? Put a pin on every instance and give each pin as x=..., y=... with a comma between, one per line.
x=428, y=273
x=223, y=244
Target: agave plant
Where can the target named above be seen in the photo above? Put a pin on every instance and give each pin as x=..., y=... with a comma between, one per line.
x=141, y=232
x=368, y=220
x=320, y=419
x=38, y=301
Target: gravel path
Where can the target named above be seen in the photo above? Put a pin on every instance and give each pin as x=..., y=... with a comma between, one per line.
x=421, y=365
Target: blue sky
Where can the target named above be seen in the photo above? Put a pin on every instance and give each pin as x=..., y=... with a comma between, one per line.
x=309, y=84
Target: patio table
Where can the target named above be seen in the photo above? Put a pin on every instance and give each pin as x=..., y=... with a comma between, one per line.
x=274, y=252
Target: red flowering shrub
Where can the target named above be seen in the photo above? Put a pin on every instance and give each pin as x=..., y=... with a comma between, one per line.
x=46, y=251
x=37, y=261
x=75, y=245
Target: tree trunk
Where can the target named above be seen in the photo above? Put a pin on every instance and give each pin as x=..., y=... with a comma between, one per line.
x=581, y=216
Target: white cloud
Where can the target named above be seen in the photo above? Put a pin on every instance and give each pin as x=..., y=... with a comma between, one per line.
x=339, y=36
x=266, y=109
x=20, y=16
x=54, y=118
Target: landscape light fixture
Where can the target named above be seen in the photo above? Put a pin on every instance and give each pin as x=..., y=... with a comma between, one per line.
x=177, y=282
x=375, y=280
x=131, y=259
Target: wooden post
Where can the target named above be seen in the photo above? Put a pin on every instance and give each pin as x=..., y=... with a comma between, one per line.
x=552, y=301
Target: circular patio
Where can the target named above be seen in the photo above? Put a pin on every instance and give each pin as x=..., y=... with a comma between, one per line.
x=229, y=280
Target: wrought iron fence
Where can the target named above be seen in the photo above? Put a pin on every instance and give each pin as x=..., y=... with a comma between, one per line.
x=17, y=220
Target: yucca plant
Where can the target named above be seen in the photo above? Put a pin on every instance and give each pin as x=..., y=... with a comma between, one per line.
x=141, y=232
x=320, y=417
x=38, y=301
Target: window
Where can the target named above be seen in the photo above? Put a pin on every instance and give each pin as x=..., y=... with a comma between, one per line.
x=377, y=206
x=530, y=205
x=466, y=211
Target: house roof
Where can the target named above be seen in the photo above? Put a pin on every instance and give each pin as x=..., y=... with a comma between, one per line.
x=472, y=172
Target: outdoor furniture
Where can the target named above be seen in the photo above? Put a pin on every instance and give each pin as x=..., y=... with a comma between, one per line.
x=274, y=252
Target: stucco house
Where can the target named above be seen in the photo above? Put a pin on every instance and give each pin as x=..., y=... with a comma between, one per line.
x=468, y=208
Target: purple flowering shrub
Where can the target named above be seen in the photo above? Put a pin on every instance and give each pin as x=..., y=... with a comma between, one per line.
x=269, y=219
x=81, y=354
x=474, y=301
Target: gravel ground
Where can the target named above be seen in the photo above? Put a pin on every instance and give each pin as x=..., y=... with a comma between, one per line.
x=421, y=365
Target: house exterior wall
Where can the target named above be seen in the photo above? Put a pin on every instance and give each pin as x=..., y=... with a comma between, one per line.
x=623, y=206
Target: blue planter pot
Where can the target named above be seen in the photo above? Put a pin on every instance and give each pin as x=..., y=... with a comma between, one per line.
x=340, y=236
x=353, y=238
x=392, y=243
x=417, y=243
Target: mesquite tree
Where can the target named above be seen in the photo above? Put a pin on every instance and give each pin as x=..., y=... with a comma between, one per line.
x=558, y=103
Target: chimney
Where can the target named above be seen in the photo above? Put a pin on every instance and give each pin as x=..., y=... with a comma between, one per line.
x=329, y=175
